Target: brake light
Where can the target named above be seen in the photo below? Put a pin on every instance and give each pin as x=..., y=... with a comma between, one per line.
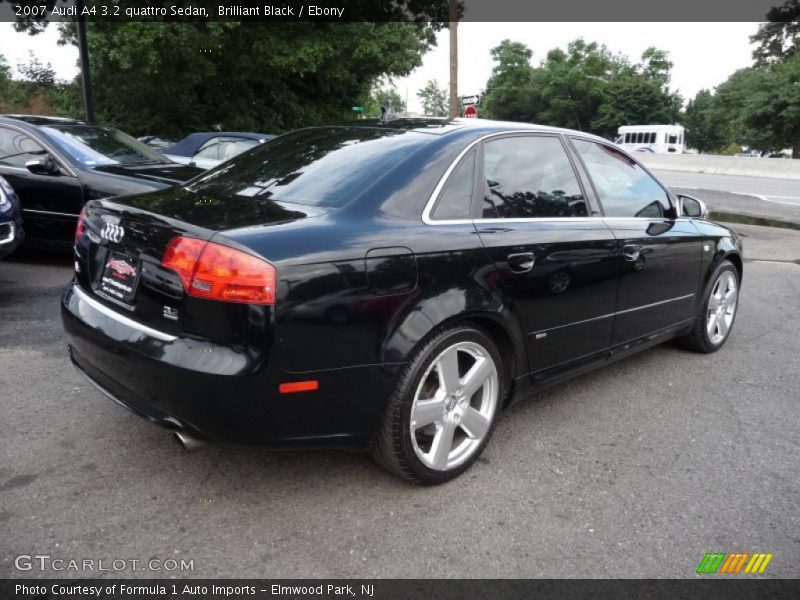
x=80, y=229
x=217, y=272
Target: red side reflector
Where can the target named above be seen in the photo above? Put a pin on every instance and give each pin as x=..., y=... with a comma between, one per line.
x=298, y=386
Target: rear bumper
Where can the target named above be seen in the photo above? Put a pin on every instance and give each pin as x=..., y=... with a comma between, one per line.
x=218, y=393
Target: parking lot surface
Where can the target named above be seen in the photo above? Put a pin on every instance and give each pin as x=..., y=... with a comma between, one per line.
x=636, y=470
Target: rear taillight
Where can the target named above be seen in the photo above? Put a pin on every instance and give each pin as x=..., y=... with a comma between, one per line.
x=217, y=272
x=81, y=227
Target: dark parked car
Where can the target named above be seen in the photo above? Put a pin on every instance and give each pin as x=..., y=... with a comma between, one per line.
x=209, y=149
x=56, y=165
x=389, y=287
x=11, y=233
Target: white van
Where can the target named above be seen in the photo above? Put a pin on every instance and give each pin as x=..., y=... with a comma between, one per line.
x=658, y=139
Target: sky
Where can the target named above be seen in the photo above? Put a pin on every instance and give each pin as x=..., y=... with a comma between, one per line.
x=704, y=54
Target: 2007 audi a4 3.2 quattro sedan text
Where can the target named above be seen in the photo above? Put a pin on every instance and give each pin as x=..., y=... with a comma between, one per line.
x=389, y=286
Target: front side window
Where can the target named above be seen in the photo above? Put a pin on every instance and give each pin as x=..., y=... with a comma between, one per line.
x=16, y=148
x=625, y=189
x=530, y=177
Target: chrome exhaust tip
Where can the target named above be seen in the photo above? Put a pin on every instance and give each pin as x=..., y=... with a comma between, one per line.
x=187, y=442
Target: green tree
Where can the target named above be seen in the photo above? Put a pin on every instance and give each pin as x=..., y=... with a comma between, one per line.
x=779, y=37
x=508, y=90
x=5, y=80
x=635, y=101
x=655, y=66
x=172, y=77
x=383, y=95
x=36, y=72
x=763, y=105
x=434, y=100
x=638, y=94
x=37, y=91
x=586, y=87
x=569, y=87
x=707, y=127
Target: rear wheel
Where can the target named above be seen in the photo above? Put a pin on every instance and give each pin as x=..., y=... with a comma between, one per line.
x=443, y=409
x=717, y=312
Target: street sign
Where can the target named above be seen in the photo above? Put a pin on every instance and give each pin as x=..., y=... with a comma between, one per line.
x=358, y=109
x=471, y=112
x=470, y=100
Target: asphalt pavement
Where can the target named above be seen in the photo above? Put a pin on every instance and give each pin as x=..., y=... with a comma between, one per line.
x=760, y=197
x=633, y=471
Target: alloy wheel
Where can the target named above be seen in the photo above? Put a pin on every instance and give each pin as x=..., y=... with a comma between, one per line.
x=454, y=406
x=721, y=308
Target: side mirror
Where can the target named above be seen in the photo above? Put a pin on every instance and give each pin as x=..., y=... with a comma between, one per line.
x=44, y=165
x=689, y=206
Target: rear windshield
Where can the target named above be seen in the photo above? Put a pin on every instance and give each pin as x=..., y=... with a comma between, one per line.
x=320, y=166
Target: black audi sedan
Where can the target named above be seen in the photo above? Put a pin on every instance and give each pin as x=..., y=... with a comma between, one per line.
x=56, y=165
x=389, y=287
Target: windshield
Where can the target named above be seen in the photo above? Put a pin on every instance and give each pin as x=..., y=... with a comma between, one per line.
x=320, y=166
x=94, y=145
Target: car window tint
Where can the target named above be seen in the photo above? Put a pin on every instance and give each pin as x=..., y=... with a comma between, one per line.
x=16, y=148
x=455, y=201
x=529, y=177
x=625, y=189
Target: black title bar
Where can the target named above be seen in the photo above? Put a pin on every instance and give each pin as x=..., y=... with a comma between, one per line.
x=341, y=11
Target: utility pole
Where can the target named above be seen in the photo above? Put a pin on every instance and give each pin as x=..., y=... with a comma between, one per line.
x=83, y=47
x=454, y=108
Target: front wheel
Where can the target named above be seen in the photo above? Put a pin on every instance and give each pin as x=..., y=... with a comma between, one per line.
x=717, y=312
x=443, y=409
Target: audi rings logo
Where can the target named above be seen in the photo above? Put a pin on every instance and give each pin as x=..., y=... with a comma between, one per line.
x=112, y=233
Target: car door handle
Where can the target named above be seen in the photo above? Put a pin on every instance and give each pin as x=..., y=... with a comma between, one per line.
x=522, y=262
x=631, y=252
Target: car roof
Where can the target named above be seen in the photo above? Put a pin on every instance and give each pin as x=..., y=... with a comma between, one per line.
x=42, y=120
x=188, y=145
x=443, y=126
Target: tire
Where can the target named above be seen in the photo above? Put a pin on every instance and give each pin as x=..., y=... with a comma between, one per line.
x=717, y=312
x=466, y=359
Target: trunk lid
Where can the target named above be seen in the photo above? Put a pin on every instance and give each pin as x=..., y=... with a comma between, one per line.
x=119, y=256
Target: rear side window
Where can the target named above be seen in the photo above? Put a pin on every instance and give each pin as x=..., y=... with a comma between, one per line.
x=455, y=201
x=625, y=189
x=530, y=177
